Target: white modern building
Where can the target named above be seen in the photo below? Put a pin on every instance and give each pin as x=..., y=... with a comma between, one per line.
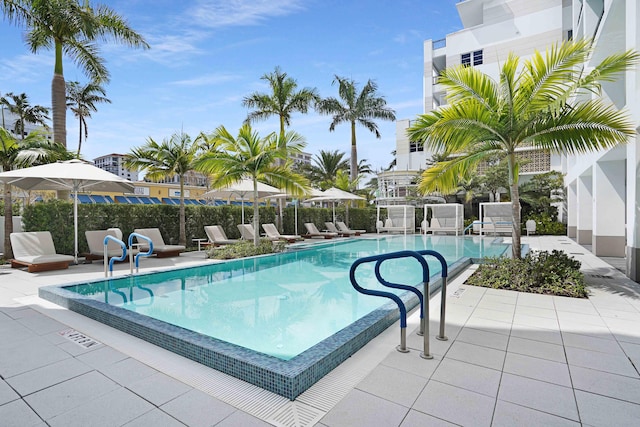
x=9, y=120
x=492, y=29
x=114, y=163
x=603, y=194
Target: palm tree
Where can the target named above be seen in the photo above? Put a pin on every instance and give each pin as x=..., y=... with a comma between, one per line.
x=247, y=155
x=82, y=100
x=283, y=101
x=71, y=27
x=547, y=102
x=19, y=105
x=356, y=108
x=23, y=152
x=171, y=157
x=325, y=166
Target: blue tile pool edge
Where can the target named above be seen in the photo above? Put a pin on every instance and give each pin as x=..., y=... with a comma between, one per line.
x=286, y=378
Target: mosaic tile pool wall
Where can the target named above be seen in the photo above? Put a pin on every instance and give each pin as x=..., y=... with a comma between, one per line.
x=288, y=378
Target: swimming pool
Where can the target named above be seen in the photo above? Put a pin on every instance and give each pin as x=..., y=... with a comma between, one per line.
x=281, y=321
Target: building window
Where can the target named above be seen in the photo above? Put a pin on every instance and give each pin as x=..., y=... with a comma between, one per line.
x=570, y=35
x=415, y=147
x=471, y=58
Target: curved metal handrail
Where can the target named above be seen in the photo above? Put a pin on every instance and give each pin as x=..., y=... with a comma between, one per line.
x=401, y=307
x=106, y=240
x=444, y=272
x=139, y=254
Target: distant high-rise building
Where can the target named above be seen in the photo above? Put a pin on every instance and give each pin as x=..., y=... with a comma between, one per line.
x=114, y=163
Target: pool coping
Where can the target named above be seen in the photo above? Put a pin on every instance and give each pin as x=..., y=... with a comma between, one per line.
x=288, y=378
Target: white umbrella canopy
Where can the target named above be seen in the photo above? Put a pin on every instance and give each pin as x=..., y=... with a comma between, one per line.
x=334, y=194
x=242, y=189
x=69, y=175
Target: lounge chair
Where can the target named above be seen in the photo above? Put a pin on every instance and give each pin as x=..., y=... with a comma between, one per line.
x=344, y=229
x=313, y=232
x=217, y=236
x=331, y=228
x=274, y=235
x=159, y=247
x=95, y=240
x=36, y=251
x=246, y=231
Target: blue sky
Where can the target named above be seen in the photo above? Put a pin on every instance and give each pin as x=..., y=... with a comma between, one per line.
x=206, y=55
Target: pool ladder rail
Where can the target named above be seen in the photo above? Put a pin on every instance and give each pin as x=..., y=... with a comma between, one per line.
x=108, y=263
x=422, y=296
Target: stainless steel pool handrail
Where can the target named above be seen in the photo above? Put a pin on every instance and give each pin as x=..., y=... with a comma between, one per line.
x=444, y=272
x=401, y=307
x=139, y=254
x=108, y=261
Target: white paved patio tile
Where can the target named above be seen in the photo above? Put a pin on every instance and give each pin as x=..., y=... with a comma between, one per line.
x=585, y=319
x=123, y=407
x=483, y=338
x=46, y=376
x=7, y=394
x=41, y=324
x=538, y=369
x=604, y=411
x=154, y=418
x=538, y=349
x=588, y=342
x=618, y=314
x=70, y=394
x=497, y=315
x=436, y=347
x=362, y=409
x=606, y=384
x=30, y=354
x=242, y=419
x=196, y=409
x=158, y=388
x=536, y=334
x=538, y=395
x=18, y=414
x=127, y=371
x=536, y=312
x=13, y=332
x=632, y=351
x=602, y=332
x=102, y=356
x=470, y=377
x=574, y=305
x=477, y=355
x=393, y=385
x=489, y=325
x=536, y=321
x=455, y=405
x=615, y=364
x=535, y=300
x=497, y=306
x=418, y=419
x=508, y=415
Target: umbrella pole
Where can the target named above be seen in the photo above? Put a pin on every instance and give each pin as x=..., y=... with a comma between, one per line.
x=334, y=211
x=75, y=225
x=242, y=203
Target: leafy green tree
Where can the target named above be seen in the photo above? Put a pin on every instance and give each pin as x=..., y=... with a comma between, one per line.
x=541, y=192
x=231, y=159
x=546, y=101
x=71, y=27
x=82, y=100
x=283, y=100
x=26, y=113
x=14, y=153
x=171, y=157
x=354, y=108
x=325, y=165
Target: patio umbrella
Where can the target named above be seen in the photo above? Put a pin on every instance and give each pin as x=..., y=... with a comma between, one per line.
x=70, y=175
x=334, y=195
x=242, y=189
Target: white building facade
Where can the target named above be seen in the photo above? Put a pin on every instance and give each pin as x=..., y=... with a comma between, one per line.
x=492, y=29
x=602, y=187
x=114, y=163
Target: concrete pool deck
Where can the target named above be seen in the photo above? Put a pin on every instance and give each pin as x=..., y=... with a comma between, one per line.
x=511, y=359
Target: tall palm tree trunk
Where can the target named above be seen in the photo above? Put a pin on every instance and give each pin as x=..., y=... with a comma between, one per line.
x=354, y=153
x=8, y=222
x=182, y=239
x=80, y=139
x=516, y=250
x=59, y=100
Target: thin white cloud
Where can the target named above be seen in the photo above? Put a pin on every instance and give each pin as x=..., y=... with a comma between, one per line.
x=26, y=68
x=206, y=80
x=408, y=36
x=225, y=13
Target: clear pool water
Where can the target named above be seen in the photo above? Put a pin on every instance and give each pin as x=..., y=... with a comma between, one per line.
x=279, y=305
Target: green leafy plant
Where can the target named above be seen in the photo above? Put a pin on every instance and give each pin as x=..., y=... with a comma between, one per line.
x=546, y=225
x=541, y=272
x=245, y=249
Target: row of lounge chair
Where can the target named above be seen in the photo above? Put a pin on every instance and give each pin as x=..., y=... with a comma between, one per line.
x=36, y=251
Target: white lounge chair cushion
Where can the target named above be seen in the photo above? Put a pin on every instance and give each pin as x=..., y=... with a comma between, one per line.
x=216, y=235
x=95, y=240
x=35, y=247
x=158, y=242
